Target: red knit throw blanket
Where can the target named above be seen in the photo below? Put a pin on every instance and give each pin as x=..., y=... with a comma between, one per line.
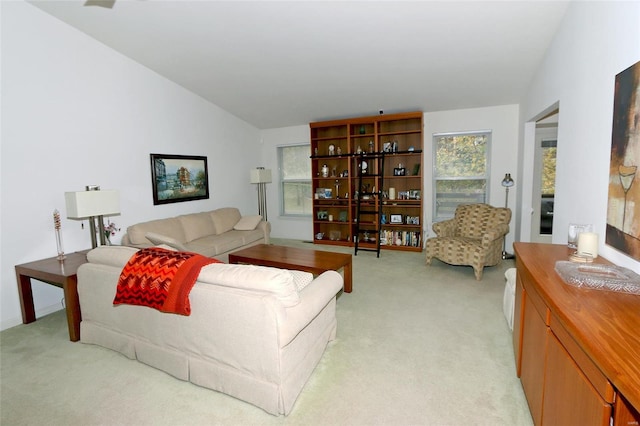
x=160, y=279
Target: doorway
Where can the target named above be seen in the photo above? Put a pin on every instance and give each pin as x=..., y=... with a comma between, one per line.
x=544, y=177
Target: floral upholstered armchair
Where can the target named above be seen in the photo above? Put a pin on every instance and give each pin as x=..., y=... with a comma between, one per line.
x=473, y=237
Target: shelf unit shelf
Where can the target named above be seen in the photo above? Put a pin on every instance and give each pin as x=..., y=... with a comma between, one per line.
x=337, y=146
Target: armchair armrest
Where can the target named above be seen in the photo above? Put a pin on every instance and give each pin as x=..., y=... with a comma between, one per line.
x=445, y=228
x=494, y=234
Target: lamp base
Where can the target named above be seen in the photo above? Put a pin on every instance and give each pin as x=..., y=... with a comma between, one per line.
x=506, y=256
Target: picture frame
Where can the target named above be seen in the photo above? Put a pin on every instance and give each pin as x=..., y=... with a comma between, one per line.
x=399, y=171
x=322, y=215
x=395, y=218
x=178, y=178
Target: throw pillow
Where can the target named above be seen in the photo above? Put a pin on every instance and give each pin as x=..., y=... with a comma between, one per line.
x=247, y=223
x=158, y=239
x=301, y=279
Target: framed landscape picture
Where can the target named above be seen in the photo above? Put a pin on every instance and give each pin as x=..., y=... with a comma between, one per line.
x=177, y=178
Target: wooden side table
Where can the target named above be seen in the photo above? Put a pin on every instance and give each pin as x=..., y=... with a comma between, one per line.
x=60, y=274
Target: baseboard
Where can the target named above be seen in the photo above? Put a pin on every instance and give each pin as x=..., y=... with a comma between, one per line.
x=12, y=322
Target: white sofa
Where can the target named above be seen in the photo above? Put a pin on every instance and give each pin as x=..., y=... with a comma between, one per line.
x=213, y=233
x=255, y=333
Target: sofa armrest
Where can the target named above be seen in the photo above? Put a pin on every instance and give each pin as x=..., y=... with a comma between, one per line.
x=494, y=234
x=445, y=228
x=265, y=227
x=313, y=299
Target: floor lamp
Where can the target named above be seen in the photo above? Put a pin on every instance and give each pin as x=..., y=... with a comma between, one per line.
x=261, y=177
x=507, y=182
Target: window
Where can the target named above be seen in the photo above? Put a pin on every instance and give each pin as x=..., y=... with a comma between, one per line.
x=547, y=185
x=295, y=178
x=460, y=171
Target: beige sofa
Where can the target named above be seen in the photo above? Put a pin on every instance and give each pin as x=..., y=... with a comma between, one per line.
x=255, y=333
x=213, y=234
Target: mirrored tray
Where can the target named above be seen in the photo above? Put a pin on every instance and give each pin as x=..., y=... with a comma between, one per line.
x=599, y=277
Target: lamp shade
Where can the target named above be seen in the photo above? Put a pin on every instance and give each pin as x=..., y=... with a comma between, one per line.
x=84, y=204
x=260, y=175
x=507, y=181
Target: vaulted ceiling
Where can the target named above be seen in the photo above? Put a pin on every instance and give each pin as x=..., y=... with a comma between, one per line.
x=277, y=64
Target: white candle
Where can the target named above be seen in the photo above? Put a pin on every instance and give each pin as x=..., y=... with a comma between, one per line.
x=392, y=193
x=588, y=244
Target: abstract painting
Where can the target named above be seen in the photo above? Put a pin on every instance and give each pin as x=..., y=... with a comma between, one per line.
x=623, y=212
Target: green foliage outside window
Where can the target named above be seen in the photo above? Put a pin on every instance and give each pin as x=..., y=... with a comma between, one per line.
x=460, y=172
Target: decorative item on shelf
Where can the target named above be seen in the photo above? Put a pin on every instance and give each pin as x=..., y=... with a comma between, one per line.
x=330, y=218
x=337, y=185
x=359, y=150
x=396, y=218
x=400, y=170
x=322, y=215
x=413, y=194
x=335, y=235
x=93, y=204
x=507, y=182
x=339, y=150
x=332, y=149
x=56, y=226
x=411, y=149
x=412, y=220
x=383, y=219
x=110, y=230
x=315, y=151
x=334, y=172
x=416, y=169
x=345, y=173
x=364, y=167
x=394, y=146
x=325, y=171
x=319, y=236
x=392, y=193
x=362, y=130
x=386, y=147
x=371, y=146
x=261, y=177
x=342, y=216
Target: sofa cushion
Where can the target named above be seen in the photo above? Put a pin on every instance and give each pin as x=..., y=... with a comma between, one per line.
x=197, y=225
x=263, y=279
x=247, y=223
x=170, y=227
x=116, y=256
x=225, y=218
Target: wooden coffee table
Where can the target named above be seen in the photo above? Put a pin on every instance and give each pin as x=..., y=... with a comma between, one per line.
x=313, y=261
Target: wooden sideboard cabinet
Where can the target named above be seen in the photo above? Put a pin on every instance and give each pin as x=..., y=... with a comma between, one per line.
x=577, y=350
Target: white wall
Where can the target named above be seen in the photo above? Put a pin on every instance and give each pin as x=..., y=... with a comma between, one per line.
x=503, y=123
x=75, y=112
x=596, y=41
x=282, y=226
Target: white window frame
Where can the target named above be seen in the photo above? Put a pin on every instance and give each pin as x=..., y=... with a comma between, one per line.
x=465, y=198
x=284, y=181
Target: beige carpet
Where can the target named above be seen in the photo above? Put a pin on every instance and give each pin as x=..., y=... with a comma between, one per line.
x=416, y=345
